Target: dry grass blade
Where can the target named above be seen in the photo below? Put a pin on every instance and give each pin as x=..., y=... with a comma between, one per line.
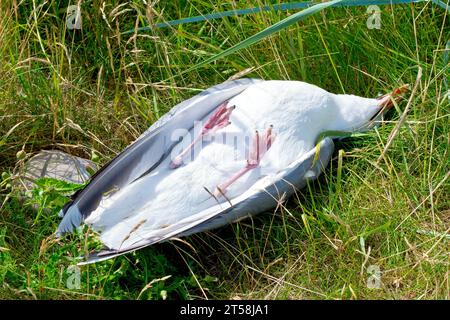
x=402, y=119
x=283, y=24
x=150, y=284
x=286, y=282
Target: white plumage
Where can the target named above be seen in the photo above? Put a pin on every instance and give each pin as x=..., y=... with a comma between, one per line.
x=298, y=112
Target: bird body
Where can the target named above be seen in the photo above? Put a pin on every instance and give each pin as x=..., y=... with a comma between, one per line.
x=288, y=116
x=298, y=112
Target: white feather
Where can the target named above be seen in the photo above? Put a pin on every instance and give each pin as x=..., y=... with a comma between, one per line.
x=298, y=112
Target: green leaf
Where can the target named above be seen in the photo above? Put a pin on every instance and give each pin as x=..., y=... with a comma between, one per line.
x=283, y=24
x=339, y=134
x=381, y=228
x=61, y=186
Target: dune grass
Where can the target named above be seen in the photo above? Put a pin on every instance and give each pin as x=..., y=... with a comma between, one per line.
x=91, y=92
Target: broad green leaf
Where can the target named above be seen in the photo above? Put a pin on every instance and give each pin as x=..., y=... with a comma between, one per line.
x=339, y=134
x=283, y=24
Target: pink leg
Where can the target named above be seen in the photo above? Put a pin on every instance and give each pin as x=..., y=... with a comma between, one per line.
x=260, y=145
x=219, y=119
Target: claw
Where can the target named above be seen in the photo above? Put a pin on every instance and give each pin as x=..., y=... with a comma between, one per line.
x=260, y=145
x=218, y=120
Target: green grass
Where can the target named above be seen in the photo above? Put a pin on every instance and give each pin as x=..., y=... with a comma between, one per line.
x=96, y=90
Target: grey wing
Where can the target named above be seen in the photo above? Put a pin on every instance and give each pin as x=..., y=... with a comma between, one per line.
x=142, y=156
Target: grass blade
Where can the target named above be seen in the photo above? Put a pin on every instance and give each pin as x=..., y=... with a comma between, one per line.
x=283, y=24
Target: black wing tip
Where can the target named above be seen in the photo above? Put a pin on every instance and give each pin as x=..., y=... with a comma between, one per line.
x=71, y=220
x=66, y=207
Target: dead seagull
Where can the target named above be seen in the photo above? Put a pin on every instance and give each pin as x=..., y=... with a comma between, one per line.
x=232, y=151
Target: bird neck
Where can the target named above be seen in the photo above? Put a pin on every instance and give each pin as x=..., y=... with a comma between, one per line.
x=351, y=113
